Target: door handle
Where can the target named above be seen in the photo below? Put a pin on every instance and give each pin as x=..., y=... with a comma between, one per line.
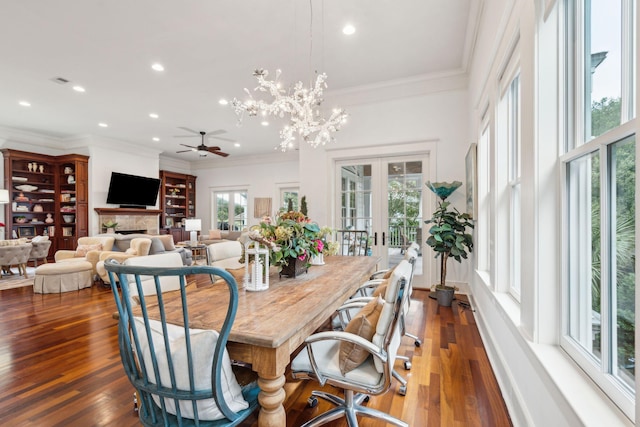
x=383, y=239
x=375, y=239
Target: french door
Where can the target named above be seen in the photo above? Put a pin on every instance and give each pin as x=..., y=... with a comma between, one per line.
x=385, y=196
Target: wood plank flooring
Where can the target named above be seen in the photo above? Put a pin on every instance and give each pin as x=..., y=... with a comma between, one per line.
x=60, y=366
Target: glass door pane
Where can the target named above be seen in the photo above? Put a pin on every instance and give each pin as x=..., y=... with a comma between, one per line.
x=404, y=207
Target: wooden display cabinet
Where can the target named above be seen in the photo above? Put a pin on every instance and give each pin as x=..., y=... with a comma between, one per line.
x=44, y=199
x=177, y=201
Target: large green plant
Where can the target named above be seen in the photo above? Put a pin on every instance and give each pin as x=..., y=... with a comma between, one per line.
x=448, y=232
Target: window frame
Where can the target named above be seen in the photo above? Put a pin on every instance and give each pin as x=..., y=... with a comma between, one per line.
x=576, y=105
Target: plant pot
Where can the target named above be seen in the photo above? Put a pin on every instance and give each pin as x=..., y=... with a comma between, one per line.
x=295, y=267
x=444, y=296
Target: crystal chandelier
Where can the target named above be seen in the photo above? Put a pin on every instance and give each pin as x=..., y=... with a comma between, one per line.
x=300, y=105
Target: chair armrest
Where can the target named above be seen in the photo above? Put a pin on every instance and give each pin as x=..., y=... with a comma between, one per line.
x=379, y=273
x=93, y=257
x=118, y=256
x=64, y=254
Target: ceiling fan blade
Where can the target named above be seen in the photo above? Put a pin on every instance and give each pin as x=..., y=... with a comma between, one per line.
x=190, y=146
x=216, y=132
x=185, y=136
x=216, y=150
x=184, y=151
x=189, y=130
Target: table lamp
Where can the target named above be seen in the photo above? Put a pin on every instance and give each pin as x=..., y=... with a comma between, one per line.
x=193, y=225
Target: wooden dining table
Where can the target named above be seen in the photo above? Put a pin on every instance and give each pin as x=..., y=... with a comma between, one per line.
x=271, y=324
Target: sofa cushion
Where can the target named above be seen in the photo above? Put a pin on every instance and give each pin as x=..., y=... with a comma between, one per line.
x=215, y=234
x=81, y=250
x=157, y=247
x=167, y=241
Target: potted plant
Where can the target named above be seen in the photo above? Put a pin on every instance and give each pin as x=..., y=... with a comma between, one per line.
x=448, y=236
x=110, y=226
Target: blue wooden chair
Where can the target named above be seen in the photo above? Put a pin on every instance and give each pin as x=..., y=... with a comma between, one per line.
x=197, y=386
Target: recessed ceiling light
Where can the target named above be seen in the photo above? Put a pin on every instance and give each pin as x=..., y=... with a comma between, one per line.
x=25, y=103
x=223, y=101
x=157, y=67
x=237, y=145
x=156, y=139
x=348, y=29
x=264, y=123
x=79, y=89
x=153, y=115
x=103, y=125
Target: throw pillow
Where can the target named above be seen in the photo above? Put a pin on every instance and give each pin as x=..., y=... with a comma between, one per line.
x=81, y=250
x=389, y=273
x=215, y=234
x=157, y=247
x=381, y=289
x=203, y=343
x=363, y=324
x=131, y=251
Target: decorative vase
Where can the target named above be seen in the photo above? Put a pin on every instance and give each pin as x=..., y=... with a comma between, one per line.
x=444, y=296
x=111, y=230
x=294, y=267
x=49, y=219
x=317, y=259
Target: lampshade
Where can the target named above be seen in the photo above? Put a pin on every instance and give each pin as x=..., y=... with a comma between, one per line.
x=192, y=224
x=4, y=196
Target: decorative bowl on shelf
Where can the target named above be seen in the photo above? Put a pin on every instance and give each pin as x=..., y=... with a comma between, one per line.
x=68, y=218
x=20, y=220
x=26, y=187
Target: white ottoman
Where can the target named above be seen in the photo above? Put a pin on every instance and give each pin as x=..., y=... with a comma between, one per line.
x=62, y=277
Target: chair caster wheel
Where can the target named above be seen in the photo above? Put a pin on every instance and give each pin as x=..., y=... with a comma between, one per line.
x=403, y=390
x=417, y=343
x=312, y=402
x=407, y=365
x=366, y=399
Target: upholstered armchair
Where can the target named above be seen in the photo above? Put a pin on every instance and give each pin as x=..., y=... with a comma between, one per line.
x=15, y=255
x=139, y=246
x=40, y=249
x=88, y=249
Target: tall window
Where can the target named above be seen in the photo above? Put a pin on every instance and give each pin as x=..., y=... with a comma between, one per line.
x=508, y=177
x=289, y=196
x=600, y=188
x=485, y=212
x=230, y=210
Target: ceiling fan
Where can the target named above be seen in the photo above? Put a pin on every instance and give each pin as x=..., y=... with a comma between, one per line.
x=203, y=149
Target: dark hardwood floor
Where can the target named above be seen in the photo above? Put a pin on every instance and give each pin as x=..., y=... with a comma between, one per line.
x=60, y=366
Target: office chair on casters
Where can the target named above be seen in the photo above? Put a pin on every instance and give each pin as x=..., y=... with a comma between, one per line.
x=353, y=242
x=197, y=385
x=320, y=360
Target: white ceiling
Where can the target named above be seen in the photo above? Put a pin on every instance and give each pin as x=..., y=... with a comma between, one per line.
x=209, y=49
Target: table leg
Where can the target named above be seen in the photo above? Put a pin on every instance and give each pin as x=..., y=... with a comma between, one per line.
x=271, y=398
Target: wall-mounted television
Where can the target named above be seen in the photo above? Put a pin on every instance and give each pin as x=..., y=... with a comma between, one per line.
x=132, y=191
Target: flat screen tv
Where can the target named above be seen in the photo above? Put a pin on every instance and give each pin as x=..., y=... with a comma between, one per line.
x=132, y=191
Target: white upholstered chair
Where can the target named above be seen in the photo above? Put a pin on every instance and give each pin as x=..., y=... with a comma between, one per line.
x=323, y=359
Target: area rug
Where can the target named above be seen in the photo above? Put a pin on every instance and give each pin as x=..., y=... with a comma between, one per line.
x=16, y=281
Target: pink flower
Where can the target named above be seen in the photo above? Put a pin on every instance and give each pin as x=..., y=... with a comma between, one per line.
x=302, y=257
x=319, y=245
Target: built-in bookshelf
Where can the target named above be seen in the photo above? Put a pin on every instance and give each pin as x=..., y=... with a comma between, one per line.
x=177, y=201
x=48, y=197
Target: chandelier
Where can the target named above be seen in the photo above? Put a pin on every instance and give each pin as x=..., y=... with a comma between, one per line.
x=300, y=105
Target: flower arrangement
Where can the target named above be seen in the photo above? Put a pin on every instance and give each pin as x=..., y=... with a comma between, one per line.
x=290, y=235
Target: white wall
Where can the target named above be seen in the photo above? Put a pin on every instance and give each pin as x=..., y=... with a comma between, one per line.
x=259, y=176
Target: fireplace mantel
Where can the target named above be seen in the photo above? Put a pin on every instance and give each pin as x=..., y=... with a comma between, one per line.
x=127, y=211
